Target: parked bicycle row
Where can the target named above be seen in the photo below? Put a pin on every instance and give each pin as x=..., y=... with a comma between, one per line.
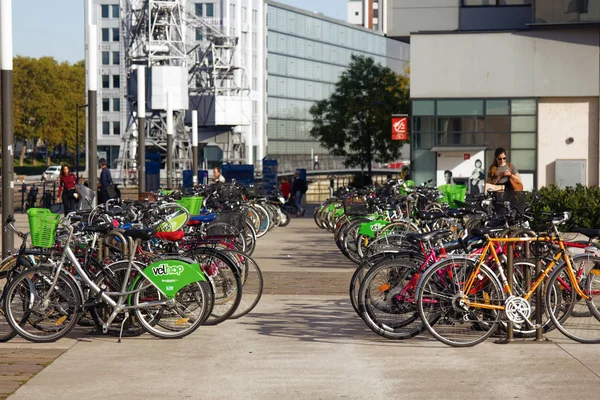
x=427, y=262
x=165, y=266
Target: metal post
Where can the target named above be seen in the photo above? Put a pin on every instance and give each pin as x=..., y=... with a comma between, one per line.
x=141, y=114
x=510, y=271
x=6, y=66
x=93, y=111
x=169, y=141
x=77, y=158
x=538, y=303
x=195, y=147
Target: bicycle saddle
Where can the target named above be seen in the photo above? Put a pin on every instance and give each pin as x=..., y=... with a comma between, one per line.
x=429, y=216
x=428, y=236
x=143, y=234
x=170, y=236
x=457, y=213
x=100, y=228
x=203, y=218
x=590, y=233
x=486, y=231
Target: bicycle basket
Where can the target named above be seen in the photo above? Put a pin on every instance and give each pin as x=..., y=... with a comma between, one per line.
x=192, y=204
x=42, y=225
x=355, y=207
x=226, y=223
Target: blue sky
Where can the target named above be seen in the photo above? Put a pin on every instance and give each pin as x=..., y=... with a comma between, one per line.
x=55, y=28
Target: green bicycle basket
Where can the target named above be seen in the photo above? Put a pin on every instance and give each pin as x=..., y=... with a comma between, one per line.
x=192, y=204
x=42, y=225
x=457, y=192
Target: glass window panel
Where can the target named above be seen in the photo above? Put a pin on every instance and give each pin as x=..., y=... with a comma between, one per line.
x=461, y=124
x=523, y=159
x=423, y=107
x=105, y=58
x=116, y=81
x=210, y=9
x=106, y=128
x=424, y=140
x=115, y=11
x=199, y=9
x=199, y=35
x=116, y=57
x=104, y=8
x=116, y=128
x=105, y=104
x=460, y=139
x=523, y=124
x=523, y=107
x=115, y=34
x=424, y=166
x=116, y=104
x=498, y=124
x=495, y=140
x=460, y=107
x=423, y=124
x=105, y=81
x=105, y=33
x=523, y=141
x=497, y=107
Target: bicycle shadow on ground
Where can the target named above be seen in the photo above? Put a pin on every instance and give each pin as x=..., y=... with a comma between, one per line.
x=331, y=321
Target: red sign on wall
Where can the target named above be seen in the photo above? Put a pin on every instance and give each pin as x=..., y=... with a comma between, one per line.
x=466, y=156
x=399, y=128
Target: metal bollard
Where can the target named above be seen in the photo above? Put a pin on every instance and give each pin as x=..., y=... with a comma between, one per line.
x=538, y=303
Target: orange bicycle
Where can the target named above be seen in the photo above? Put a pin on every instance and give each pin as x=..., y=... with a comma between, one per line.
x=462, y=301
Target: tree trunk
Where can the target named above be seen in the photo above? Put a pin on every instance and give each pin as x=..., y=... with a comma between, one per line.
x=23, y=151
x=34, y=158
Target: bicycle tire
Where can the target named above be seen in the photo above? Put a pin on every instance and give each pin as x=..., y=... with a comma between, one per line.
x=439, y=320
x=66, y=298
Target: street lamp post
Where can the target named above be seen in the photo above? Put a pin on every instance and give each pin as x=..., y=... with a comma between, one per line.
x=77, y=107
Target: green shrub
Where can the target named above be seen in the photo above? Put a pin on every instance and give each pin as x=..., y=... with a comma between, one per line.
x=583, y=203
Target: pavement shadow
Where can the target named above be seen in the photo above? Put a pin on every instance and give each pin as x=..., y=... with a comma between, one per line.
x=331, y=321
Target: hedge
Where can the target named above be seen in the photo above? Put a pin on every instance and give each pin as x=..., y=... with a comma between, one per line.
x=583, y=202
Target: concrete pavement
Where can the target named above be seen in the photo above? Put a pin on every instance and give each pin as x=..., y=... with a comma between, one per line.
x=304, y=341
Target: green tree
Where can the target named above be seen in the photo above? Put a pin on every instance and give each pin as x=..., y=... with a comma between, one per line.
x=355, y=121
x=45, y=95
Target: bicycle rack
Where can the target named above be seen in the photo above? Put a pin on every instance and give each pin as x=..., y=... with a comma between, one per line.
x=539, y=337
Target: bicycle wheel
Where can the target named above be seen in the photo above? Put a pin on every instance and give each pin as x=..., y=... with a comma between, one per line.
x=386, y=300
x=37, y=318
x=172, y=321
x=582, y=322
x=226, y=282
x=252, y=283
x=439, y=302
x=8, y=264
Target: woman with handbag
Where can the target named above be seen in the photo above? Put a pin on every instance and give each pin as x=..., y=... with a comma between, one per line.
x=504, y=175
x=66, y=189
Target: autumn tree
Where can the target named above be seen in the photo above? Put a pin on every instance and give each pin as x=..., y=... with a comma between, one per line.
x=355, y=121
x=45, y=95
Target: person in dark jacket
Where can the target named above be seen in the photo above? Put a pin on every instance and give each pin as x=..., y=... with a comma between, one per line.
x=298, y=190
x=104, y=182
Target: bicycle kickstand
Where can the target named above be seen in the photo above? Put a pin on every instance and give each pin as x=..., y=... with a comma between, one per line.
x=125, y=317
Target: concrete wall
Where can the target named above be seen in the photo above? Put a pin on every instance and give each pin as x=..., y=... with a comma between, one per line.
x=559, y=119
x=353, y=8
x=521, y=64
x=407, y=16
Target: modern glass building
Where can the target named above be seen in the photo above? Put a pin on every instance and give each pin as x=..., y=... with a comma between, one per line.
x=306, y=53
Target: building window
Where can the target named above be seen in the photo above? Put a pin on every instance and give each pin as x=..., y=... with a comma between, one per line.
x=104, y=8
x=105, y=104
x=116, y=104
x=105, y=81
x=116, y=81
x=105, y=57
x=106, y=128
x=199, y=9
x=105, y=33
x=232, y=12
x=115, y=34
x=244, y=14
x=199, y=35
x=488, y=3
x=116, y=57
x=116, y=128
x=356, y=13
x=376, y=27
x=210, y=10
x=115, y=11
x=375, y=13
x=254, y=16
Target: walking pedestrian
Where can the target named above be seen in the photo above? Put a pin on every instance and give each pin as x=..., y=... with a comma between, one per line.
x=503, y=175
x=316, y=164
x=299, y=188
x=285, y=188
x=104, y=182
x=217, y=176
x=66, y=189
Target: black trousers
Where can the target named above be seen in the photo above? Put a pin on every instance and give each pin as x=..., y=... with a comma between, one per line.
x=68, y=200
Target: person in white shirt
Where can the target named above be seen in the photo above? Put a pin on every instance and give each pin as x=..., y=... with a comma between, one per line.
x=217, y=177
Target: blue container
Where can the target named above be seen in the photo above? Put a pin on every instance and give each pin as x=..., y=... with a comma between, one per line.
x=152, y=176
x=269, y=176
x=302, y=172
x=188, y=179
x=243, y=173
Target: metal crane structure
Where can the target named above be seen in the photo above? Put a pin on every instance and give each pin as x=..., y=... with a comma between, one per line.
x=161, y=36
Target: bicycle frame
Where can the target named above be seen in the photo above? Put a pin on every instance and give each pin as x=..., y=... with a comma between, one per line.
x=561, y=254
